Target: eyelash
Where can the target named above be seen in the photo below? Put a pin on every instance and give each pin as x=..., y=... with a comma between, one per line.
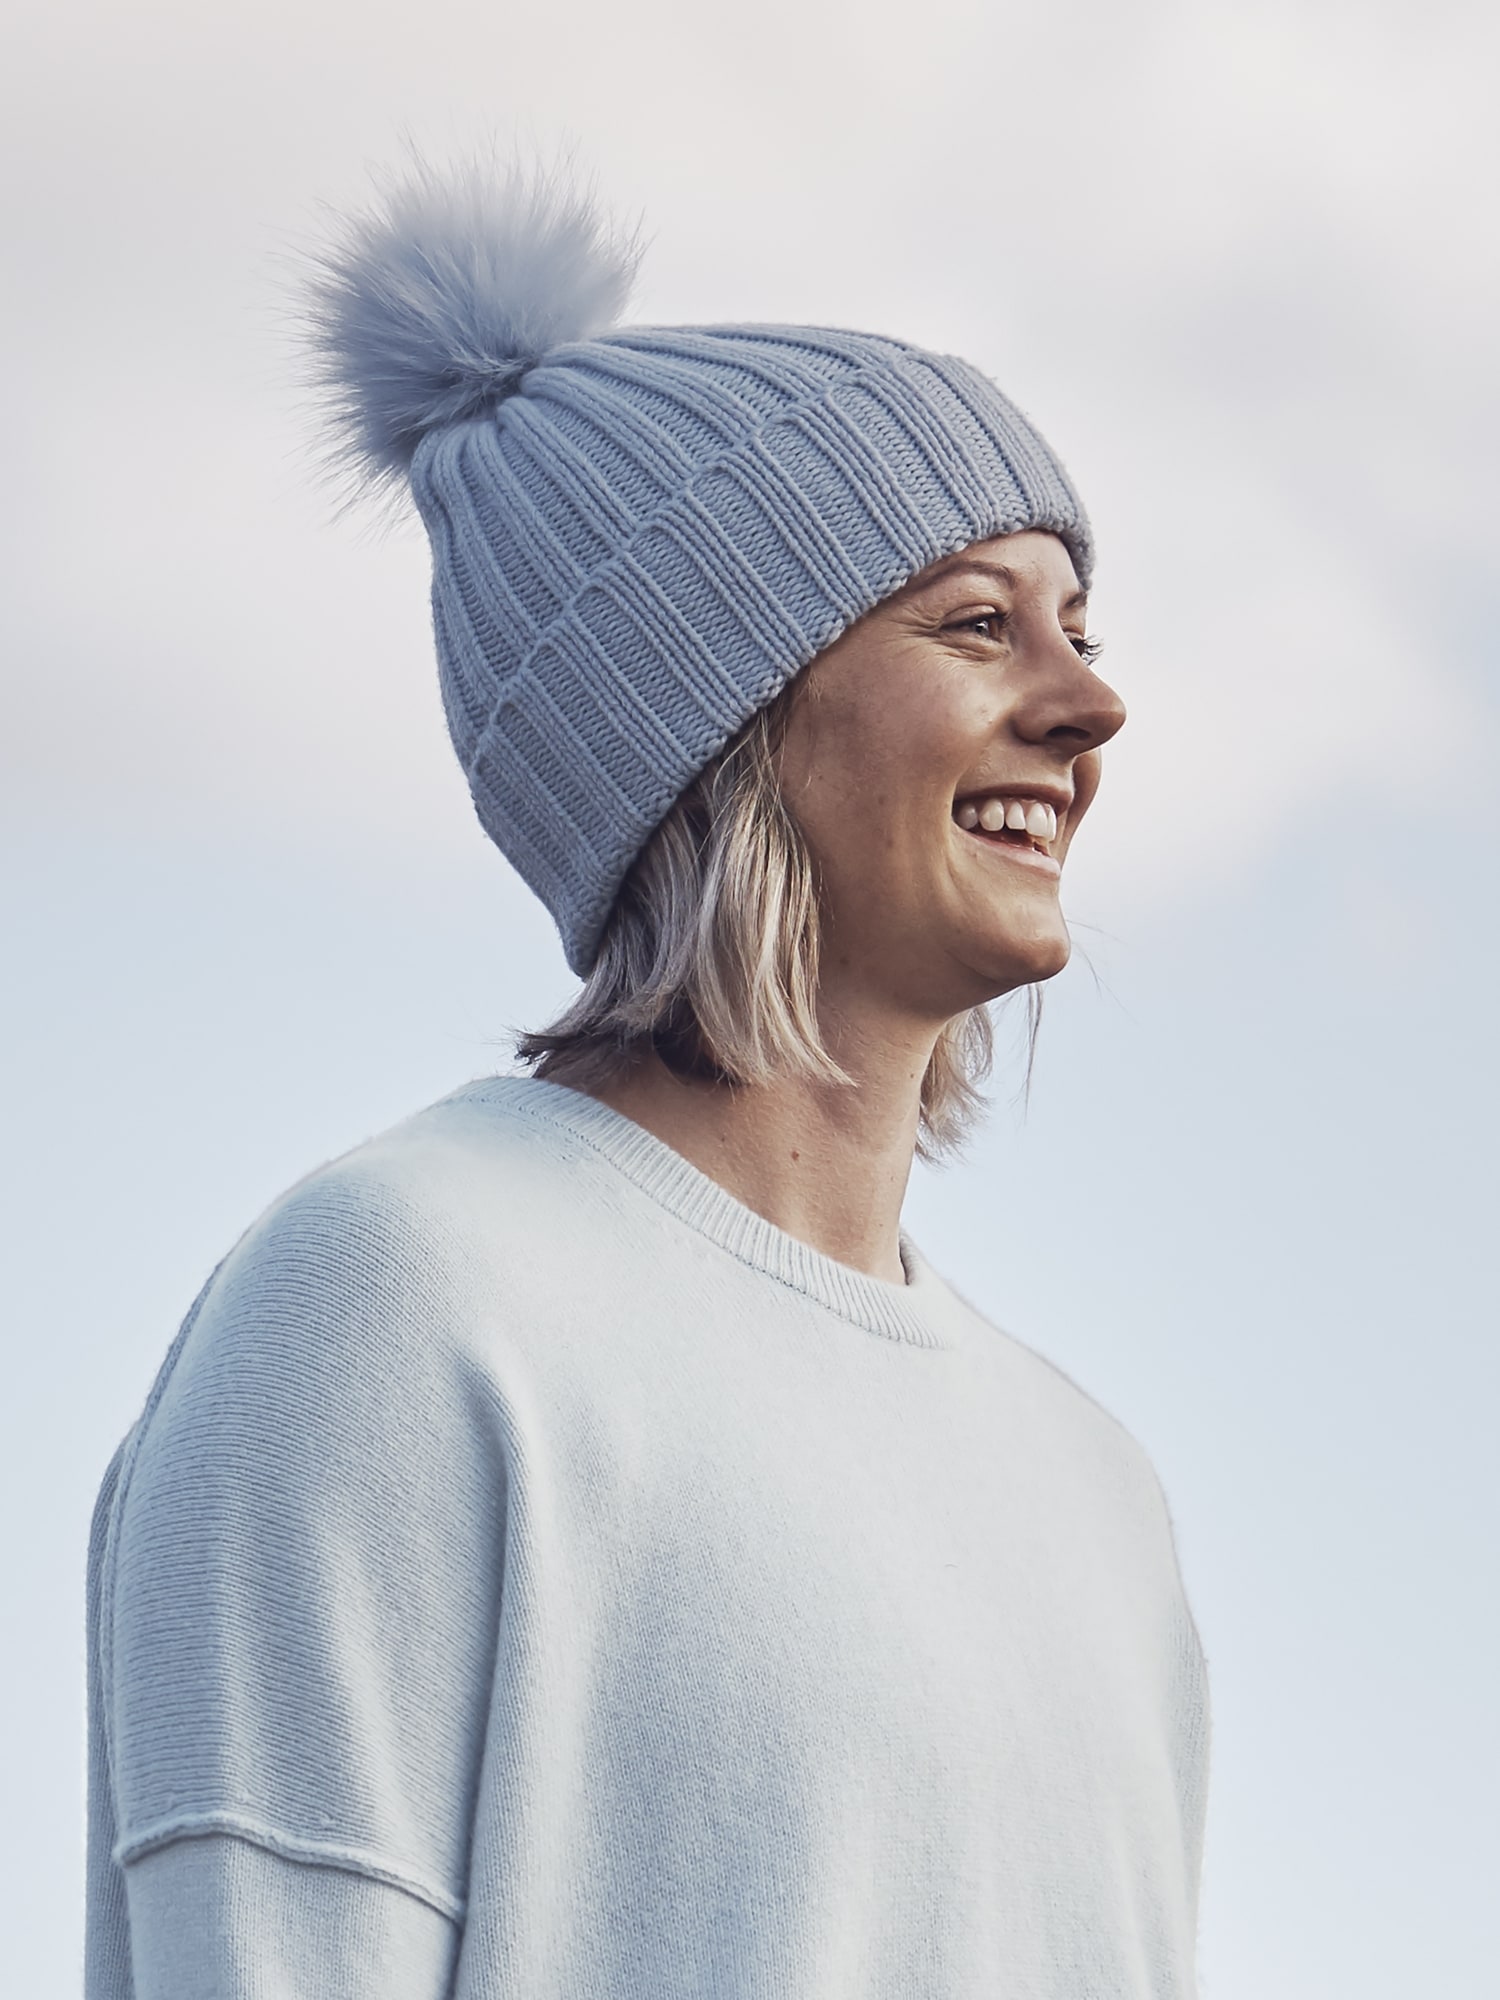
x=1088, y=650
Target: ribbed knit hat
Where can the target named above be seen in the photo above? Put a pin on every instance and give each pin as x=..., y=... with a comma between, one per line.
x=639, y=534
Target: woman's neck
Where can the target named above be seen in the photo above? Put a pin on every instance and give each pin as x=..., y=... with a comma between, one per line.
x=828, y=1163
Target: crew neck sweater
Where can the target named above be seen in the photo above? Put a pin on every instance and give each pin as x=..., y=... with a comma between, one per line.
x=536, y=1574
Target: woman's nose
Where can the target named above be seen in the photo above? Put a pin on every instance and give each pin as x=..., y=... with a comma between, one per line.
x=1068, y=705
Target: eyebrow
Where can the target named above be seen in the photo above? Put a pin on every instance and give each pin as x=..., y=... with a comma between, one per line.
x=997, y=572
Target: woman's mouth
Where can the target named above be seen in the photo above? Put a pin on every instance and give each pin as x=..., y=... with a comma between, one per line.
x=1021, y=829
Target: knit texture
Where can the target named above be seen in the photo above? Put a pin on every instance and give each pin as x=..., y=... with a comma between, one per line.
x=639, y=535
x=644, y=544
x=534, y=1573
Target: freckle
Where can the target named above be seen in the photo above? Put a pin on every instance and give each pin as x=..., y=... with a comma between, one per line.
x=796, y=1156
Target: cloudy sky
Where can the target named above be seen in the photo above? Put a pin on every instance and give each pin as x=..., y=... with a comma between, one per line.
x=1239, y=261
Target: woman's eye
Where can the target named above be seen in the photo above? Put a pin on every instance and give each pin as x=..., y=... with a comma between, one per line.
x=985, y=623
x=1088, y=650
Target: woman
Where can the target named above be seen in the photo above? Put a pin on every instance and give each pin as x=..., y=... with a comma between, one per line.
x=576, y=1545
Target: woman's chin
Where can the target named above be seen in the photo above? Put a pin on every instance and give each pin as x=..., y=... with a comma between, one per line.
x=1010, y=961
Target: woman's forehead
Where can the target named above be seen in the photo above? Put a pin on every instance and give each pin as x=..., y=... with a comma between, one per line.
x=1030, y=558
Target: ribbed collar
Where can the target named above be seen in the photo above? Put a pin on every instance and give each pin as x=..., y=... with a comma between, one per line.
x=920, y=1312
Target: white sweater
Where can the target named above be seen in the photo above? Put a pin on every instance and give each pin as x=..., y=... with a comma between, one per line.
x=537, y=1577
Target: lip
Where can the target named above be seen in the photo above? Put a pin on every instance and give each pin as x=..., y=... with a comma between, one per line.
x=1024, y=857
x=1059, y=797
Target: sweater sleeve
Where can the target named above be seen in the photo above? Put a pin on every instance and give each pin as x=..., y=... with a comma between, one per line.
x=299, y=1617
x=220, y=1918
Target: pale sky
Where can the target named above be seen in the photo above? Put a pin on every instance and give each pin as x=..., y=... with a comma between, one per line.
x=1239, y=262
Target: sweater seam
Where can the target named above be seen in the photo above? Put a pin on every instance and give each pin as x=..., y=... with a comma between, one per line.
x=290, y=1847
x=925, y=1339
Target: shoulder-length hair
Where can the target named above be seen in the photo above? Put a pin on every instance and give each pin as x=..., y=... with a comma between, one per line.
x=710, y=956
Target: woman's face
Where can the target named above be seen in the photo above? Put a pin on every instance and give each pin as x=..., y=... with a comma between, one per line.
x=954, y=709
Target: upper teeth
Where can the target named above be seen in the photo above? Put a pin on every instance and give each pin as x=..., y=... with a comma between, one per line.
x=1020, y=815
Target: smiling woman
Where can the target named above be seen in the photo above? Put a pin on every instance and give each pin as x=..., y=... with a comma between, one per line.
x=576, y=1544
x=938, y=703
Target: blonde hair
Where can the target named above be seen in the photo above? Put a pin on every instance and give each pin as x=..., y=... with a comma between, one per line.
x=711, y=954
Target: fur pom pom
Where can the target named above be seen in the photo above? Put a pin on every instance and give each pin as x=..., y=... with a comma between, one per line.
x=431, y=305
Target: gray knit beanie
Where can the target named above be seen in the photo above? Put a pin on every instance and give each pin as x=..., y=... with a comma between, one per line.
x=639, y=534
